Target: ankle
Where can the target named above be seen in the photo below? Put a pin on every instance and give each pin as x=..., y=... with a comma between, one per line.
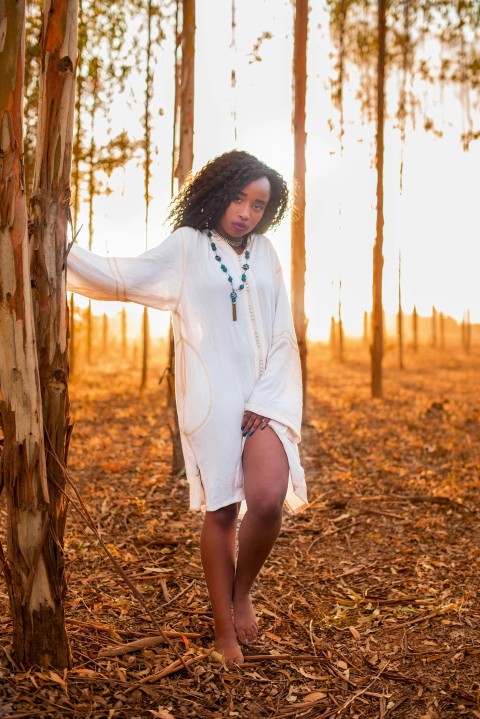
x=241, y=592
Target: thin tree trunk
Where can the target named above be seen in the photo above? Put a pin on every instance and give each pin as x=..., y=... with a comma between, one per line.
x=433, y=340
x=332, y=341
x=145, y=347
x=185, y=113
x=400, y=315
x=377, y=309
x=415, y=329
x=365, y=328
x=147, y=176
x=185, y=159
x=299, y=172
x=442, y=330
x=72, y=328
x=341, y=343
x=105, y=334
x=124, y=332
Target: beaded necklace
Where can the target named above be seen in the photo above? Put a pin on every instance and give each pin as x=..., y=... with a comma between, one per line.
x=245, y=267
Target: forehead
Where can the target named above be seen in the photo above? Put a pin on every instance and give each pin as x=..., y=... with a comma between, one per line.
x=258, y=189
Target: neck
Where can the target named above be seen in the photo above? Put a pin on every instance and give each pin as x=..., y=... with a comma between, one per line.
x=232, y=241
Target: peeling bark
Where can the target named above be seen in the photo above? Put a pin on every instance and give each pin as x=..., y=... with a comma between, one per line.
x=34, y=330
x=50, y=217
x=23, y=468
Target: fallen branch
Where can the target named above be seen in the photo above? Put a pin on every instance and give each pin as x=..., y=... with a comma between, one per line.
x=171, y=669
x=144, y=643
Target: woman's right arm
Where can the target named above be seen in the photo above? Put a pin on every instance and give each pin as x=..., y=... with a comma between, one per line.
x=154, y=278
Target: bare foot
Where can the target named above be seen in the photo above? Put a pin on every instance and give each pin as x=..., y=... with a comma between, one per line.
x=244, y=619
x=228, y=647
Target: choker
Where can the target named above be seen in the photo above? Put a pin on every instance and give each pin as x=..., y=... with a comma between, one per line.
x=232, y=243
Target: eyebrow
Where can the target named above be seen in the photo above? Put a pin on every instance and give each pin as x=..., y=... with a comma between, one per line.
x=260, y=202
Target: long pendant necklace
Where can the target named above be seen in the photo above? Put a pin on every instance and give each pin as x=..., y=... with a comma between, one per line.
x=245, y=267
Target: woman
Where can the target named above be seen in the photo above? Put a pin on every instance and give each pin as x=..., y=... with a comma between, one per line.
x=238, y=380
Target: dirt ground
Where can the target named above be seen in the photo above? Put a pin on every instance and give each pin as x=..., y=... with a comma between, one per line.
x=369, y=604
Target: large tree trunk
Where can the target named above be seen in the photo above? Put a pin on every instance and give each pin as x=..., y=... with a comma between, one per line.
x=50, y=216
x=299, y=171
x=377, y=309
x=34, y=569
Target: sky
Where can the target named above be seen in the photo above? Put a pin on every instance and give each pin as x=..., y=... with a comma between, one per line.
x=433, y=223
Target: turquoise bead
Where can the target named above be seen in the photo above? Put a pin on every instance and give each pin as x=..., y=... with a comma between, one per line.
x=218, y=258
x=245, y=266
x=241, y=287
x=223, y=268
x=244, y=277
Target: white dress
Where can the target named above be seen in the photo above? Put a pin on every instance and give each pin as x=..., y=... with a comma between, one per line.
x=222, y=367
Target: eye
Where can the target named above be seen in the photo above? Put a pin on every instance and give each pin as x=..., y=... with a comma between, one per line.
x=258, y=208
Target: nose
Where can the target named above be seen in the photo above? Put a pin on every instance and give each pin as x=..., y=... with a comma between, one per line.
x=244, y=212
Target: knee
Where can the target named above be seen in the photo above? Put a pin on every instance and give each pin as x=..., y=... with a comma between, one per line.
x=267, y=508
x=224, y=517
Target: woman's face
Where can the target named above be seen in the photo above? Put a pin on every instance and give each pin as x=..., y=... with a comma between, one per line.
x=246, y=210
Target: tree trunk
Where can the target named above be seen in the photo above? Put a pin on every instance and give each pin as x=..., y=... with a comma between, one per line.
x=50, y=216
x=36, y=510
x=442, y=330
x=105, y=334
x=377, y=308
x=299, y=171
x=185, y=159
x=365, y=328
x=433, y=339
x=400, y=315
x=145, y=348
x=184, y=94
x=72, y=328
x=124, y=332
x=415, y=329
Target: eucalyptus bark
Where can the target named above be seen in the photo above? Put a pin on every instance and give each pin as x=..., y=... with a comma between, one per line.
x=50, y=219
x=35, y=517
x=376, y=349
x=299, y=171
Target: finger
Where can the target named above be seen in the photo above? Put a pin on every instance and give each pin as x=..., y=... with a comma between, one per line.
x=246, y=417
x=265, y=423
x=249, y=424
x=257, y=423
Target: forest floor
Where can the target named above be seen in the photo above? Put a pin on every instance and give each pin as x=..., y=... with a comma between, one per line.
x=369, y=605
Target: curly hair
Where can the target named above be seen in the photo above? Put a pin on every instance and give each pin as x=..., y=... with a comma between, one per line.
x=204, y=198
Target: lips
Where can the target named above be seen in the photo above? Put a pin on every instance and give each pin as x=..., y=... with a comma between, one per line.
x=238, y=227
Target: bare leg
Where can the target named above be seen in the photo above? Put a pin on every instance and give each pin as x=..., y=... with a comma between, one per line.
x=217, y=546
x=265, y=468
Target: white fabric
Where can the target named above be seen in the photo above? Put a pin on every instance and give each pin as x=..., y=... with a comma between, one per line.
x=222, y=367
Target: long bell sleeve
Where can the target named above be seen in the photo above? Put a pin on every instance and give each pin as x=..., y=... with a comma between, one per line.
x=154, y=278
x=278, y=392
